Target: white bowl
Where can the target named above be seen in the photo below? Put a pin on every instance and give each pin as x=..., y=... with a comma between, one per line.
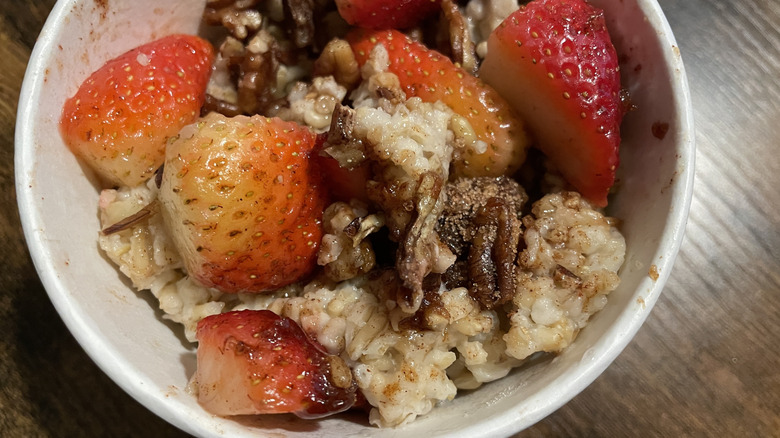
x=124, y=334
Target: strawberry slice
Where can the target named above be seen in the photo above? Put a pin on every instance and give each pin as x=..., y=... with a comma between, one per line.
x=386, y=14
x=343, y=184
x=257, y=362
x=553, y=60
x=431, y=76
x=243, y=202
x=122, y=115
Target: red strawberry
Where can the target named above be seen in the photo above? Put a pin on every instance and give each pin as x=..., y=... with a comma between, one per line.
x=243, y=201
x=554, y=61
x=257, y=362
x=431, y=76
x=343, y=184
x=120, y=118
x=386, y=14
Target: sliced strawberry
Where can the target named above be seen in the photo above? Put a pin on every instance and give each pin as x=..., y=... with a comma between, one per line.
x=343, y=184
x=554, y=61
x=386, y=14
x=431, y=76
x=243, y=201
x=121, y=116
x=257, y=362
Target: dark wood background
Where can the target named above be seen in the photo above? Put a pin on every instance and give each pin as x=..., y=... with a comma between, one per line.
x=706, y=363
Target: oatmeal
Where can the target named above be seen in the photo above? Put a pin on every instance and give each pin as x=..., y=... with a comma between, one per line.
x=439, y=274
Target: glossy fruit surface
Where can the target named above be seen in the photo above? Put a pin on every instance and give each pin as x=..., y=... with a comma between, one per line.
x=243, y=201
x=122, y=115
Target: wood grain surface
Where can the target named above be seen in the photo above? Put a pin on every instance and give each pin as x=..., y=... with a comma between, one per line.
x=706, y=363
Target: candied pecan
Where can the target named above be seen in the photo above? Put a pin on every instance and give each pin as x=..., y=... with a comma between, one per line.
x=214, y=104
x=432, y=314
x=351, y=262
x=491, y=260
x=341, y=143
x=345, y=251
x=391, y=94
x=465, y=197
x=257, y=77
x=247, y=73
x=421, y=251
x=338, y=60
x=237, y=16
x=456, y=275
x=461, y=47
x=301, y=14
x=481, y=223
x=394, y=191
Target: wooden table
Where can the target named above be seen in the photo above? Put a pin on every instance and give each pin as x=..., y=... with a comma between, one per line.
x=706, y=363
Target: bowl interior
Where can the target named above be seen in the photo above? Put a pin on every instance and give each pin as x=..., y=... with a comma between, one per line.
x=121, y=330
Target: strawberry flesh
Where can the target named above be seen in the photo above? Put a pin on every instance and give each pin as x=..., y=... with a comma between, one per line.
x=243, y=202
x=554, y=61
x=257, y=362
x=431, y=76
x=122, y=115
x=344, y=184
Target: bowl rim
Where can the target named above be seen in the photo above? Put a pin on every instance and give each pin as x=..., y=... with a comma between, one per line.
x=618, y=336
